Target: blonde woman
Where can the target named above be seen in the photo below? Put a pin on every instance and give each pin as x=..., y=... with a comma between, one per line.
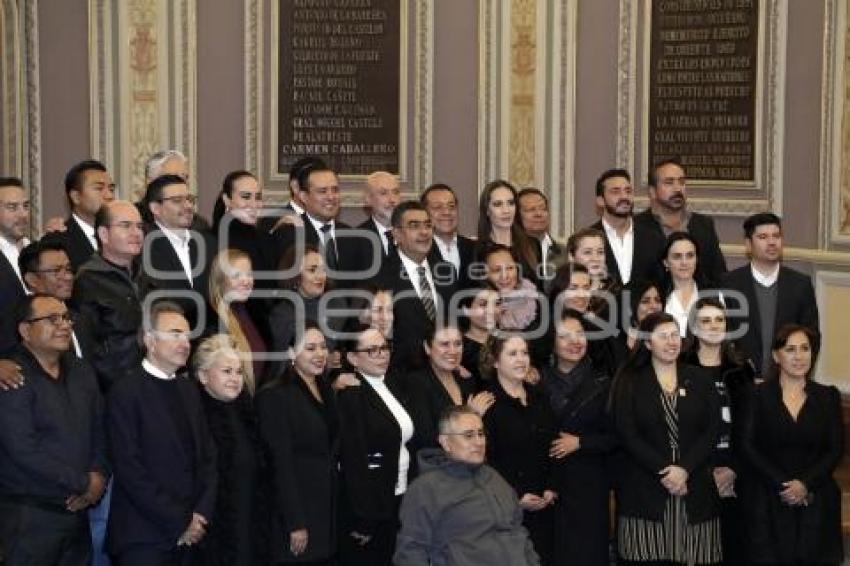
x=235, y=534
x=231, y=284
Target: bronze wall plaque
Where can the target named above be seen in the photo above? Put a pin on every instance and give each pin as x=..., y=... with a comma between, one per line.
x=338, y=91
x=703, y=85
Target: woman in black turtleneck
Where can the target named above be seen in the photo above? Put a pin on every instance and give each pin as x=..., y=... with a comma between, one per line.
x=236, y=533
x=578, y=395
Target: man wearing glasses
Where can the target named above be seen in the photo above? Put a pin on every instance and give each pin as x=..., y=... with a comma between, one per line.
x=460, y=510
x=106, y=293
x=175, y=257
x=52, y=447
x=14, y=227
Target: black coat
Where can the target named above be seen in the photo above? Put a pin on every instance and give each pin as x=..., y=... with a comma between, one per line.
x=237, y=533
x=466, y=251
x=11, y=293
x=159, y=478
x=410, y=324
x=580, y=407
x=712, y=264
x=107, y=297
x=428, y=399
x=795, y=302
x=76, y=243
x=166, y=273
x=646, y=253
x=779, y=449
x=301, y=438
x=370, y=441
x=643, y=434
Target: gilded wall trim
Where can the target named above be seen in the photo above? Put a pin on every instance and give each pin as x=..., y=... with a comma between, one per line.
x=30, y=165
x=834, y=217
x=254, y=31
x=423, y=127
x=632, y=149
x=10, y=90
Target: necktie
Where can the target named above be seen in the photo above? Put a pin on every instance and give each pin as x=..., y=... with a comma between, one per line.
x=390, y=242
x=330, y=246
x=425, y=294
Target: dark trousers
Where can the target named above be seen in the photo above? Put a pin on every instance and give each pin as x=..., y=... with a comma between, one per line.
x=380, y=548
x=148, y=555
x=34, y=535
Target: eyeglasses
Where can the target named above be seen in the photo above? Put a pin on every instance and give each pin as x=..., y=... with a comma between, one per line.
x=55, y=319
x=375, y=351
x=181, y=199
x=67, y=269
x=469, y=434
x=14, y=206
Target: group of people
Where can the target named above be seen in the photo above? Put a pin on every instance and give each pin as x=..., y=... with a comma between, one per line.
x=272, y=386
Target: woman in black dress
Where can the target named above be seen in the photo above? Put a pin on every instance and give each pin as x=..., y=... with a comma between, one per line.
x=482, y=313
x=667, y=417
x=578, y=394
x=439, y=385
x=732, y=378
x=237, y=530
x=520, y=430
x=299, y=427
x=793, y=441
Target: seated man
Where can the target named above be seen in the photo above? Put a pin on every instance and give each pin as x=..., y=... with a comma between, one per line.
x=52, y=446
x=460, y=510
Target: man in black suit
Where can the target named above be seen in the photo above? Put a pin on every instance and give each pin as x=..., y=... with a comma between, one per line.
x=533, y=211
x=668, y=213
x=14, y=227
x=272, y=216
x=624, y=259
x=163, y=455
x=87, y=185
x=421, y=294
x=441, y=203
x=381, y=194
x=52, y=446
x=175, y=257
x=768, y=293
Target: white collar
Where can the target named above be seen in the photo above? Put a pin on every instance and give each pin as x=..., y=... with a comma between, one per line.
x=87, y=228
x=148, y=366
x=443, y=243
x=547, y=241
x=13, y=247
x=317, y=224
x=297, y=208
x=373, y=379
x=382, y=228
x=612, y=232
x=765, y=280
x=410, y=265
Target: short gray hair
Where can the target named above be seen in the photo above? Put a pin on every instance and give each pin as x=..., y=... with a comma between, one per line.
x=158, y=159
x=451, y=413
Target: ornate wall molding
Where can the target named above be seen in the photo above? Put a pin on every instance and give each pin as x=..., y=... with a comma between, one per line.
x=526, y=101
x=143, y=73
x=632, y=150
x=832, y=289
x=20, y=100
x=253, y=88
x=834, y=217
x=423, y=128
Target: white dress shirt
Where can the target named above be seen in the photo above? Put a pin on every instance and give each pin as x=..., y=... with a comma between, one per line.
x=449, y=251
x=382, y=232
x=411, y=268
x=623, y=248
x=297, y=208
x=179, y=240
x=12, y=250
x=765, y=280
x=405, y=423
x=317, y=224
x=87, y=229
x=155, y=371
x=679, y=311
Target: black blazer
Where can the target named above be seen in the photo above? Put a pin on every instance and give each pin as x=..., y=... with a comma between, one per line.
x=159, y=479
x=642, y=431
x=779, y=449
x=370, y=441
x=795, y=302
x=11, y=293
x=712, y=264
x=366, y=250
x=163, y=258
x=301, y=437
x=646, y=253
x=428, y=400
x=76, y=243
x=466, y=251
x=410, y=324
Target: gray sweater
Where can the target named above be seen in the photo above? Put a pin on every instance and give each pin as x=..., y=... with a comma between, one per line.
x=461, y=515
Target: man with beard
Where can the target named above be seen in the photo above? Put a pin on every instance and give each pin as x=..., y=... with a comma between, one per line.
x=381, y=194
x=773, y=295
x=628, y=262
x=668, y=213
x=14, y=227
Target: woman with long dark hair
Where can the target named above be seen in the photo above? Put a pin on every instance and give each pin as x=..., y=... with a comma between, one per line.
x=499, y=223
x=667, y=416
x=711, y=350
x=578, y=395
x=299, y=426
x=482, y=311
x=644, y=298
x=793, y=441
x=684, y=277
